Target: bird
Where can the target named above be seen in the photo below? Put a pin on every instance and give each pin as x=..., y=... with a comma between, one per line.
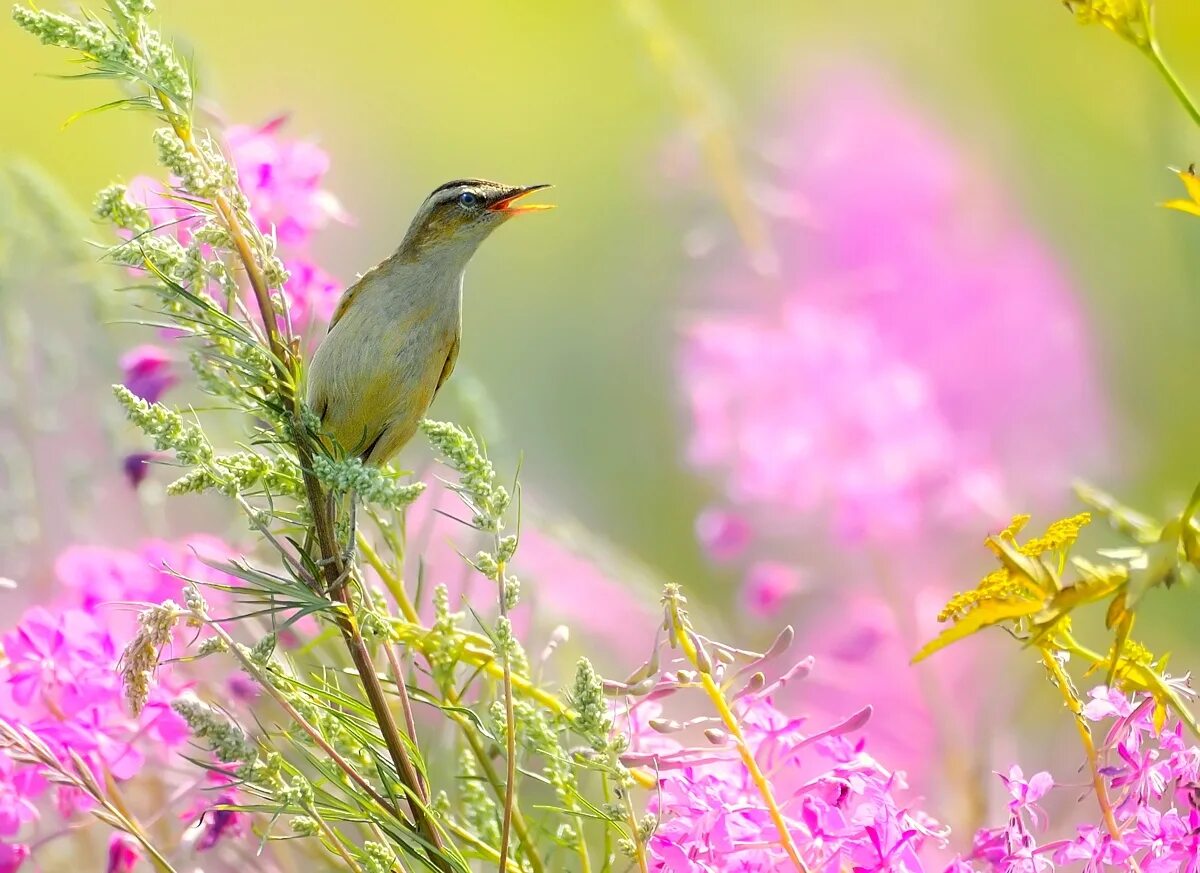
x=395, y=334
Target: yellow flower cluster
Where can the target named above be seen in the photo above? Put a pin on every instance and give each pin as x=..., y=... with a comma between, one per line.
x=1129, y=19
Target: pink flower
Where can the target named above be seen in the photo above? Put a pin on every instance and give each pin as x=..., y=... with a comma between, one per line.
x=869, y=385
x=769, y=584
x=16, y=789
x=723, y=534
x=148, y=372
x=102, y=575
x=1105, y=702
x=12, y=856
x=168, y=214
x=59, y=662
x=282, y=178
x=123, y=854
x=312, y=294
x=1026, y=794
x=841, y=807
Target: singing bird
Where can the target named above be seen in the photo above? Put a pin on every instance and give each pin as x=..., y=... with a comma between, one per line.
x=395, y=334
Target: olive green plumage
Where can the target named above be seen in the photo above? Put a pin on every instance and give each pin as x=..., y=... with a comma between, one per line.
x=394, y=338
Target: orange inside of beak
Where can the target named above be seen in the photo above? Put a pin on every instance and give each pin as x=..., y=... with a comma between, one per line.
x=506, y=204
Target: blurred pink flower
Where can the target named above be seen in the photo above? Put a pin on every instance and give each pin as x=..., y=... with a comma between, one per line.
x=210, y=823
x=168, y=214
x=282, y=177
x=123, y=854
x=312, y=294
x=563, y=580
x=102, y=575
x=12, y=856
x=769, y=585
x=16, y=808
x=920, y=357
x=723, y=534
x=148, y=371
x=136, y=466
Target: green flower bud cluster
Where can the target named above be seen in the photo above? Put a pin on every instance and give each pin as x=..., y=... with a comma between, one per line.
x=478, y=809
x=371, y=484
x=113, y=204
x=196, y=175
x=227, y=741
x=477, y=476
x=377, y=858
x=166, y=427
x=238, y=473
x=592, y=721
x=128, y=47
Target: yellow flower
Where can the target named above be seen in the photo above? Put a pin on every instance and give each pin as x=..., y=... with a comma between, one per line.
x=1128, y=19
x=1191, y=184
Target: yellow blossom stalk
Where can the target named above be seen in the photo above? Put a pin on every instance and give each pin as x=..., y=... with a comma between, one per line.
x=682, y=632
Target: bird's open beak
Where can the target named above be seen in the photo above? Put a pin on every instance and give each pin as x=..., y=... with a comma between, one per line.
x=506, y=203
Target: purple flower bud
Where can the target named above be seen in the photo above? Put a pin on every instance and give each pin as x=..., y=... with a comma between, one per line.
x=148, y=372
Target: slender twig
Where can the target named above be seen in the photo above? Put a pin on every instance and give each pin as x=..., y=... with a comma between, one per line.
x=1085, y=736
x=1154, y=53
x=406, y=708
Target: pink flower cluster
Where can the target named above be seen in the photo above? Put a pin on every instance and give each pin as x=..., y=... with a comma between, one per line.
x=59, y=678
x=1152, y=778
x=842, y=808
x=918, y=359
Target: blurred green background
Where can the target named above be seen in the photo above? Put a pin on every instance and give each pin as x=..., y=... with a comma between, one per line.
x=571, y=319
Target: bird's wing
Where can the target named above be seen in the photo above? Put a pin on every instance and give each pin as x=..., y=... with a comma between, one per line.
x=448, y=367
x=345, y=300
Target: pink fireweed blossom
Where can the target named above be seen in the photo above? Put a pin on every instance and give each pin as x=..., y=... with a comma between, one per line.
x=1152, y=778
x=918, y=348
x=12, y=856
x=282, y=177
x=98, y=575
x=842, y=809
x=123, y=854
x=148, y=371
x=60, y=680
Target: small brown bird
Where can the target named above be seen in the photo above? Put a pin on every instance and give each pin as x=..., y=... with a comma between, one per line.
x=395, y=335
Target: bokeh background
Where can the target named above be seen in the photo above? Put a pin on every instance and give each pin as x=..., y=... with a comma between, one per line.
x=573, y=320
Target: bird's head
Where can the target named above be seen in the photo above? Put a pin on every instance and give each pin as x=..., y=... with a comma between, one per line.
x=459, y=215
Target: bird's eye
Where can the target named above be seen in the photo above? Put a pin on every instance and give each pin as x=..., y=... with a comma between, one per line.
x=467, y=199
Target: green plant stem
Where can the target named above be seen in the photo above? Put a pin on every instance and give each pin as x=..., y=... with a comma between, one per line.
x=332, y=840
x=520, y=826
x=342, y=764
x=684, y=635
x=1085, y=737
x=410, y=724
x=1154, y=53
x=414, y=633
x=510, y=724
